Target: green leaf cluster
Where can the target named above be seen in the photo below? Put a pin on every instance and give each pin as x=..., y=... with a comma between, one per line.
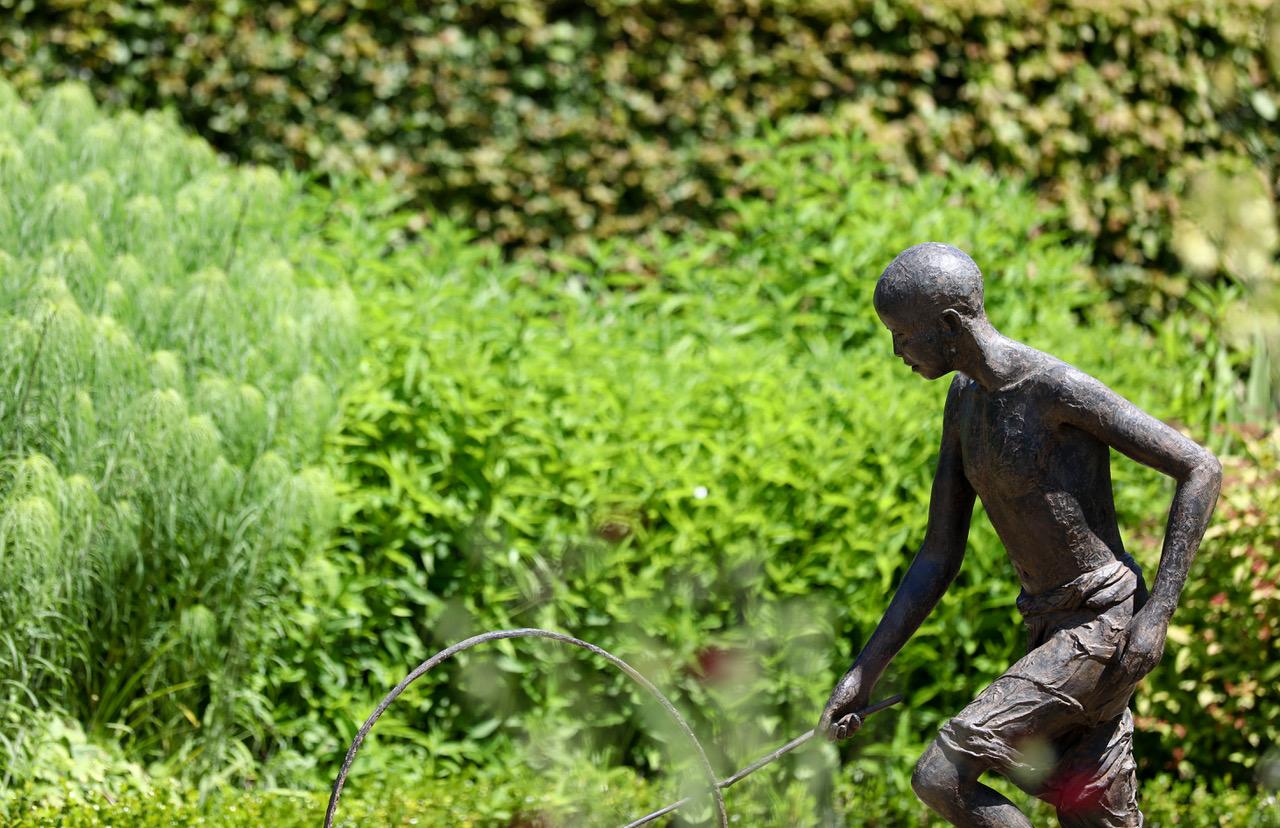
x=591, y=798
x=563, y=122
x=1208, y=683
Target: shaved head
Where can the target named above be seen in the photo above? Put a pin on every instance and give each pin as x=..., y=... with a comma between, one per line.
x=928, y=278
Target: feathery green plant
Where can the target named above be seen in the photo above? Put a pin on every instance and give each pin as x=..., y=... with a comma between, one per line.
x=167, y=381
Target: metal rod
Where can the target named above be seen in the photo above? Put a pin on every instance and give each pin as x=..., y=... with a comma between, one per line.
x=767, y=759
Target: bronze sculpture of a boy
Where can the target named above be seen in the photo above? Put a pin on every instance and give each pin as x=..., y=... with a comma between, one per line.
x=1030, y=435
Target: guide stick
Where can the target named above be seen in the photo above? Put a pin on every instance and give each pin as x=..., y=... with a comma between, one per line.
x=842, y=727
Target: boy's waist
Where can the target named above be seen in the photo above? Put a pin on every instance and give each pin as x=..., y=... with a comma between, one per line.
x=1098, y=589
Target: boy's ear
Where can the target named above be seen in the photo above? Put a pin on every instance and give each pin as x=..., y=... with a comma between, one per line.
x=952, y=322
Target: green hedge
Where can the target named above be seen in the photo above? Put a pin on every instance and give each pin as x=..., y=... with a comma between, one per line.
x=548, y=121
x=1207, y=684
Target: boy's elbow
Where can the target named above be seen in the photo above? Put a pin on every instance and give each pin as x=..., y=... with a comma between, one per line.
x=943, y=558
x=1211, y=467
x=1208, y=471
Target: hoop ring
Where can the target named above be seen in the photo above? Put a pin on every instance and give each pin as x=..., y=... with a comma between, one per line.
x=526, y=632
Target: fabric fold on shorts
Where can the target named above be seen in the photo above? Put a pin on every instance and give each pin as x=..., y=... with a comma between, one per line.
x=1098, y=589
x=1084, y=597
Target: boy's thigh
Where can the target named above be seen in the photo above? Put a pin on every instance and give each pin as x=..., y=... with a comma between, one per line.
x=1010, y=728
x=1055, y=692
x=1036, y=740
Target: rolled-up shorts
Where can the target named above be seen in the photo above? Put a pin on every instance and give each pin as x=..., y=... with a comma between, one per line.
x=1052, y=724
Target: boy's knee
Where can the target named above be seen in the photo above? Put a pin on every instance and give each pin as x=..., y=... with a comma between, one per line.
x=935, y=779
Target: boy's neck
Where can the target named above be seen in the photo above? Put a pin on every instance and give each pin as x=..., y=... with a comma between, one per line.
x=994, y=360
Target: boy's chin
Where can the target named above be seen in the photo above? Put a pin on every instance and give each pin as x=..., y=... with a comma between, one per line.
x=928, y=372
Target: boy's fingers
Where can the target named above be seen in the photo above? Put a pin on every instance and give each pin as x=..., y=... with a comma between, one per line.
x=848, y=726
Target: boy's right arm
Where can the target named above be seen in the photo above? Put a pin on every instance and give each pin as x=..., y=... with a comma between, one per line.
x=931, y=572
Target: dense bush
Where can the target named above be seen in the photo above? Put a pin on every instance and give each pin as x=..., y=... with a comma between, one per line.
x=541, y=121
x=1208, y=684
x=716, y=469
x=494, y=796
x=167, y=378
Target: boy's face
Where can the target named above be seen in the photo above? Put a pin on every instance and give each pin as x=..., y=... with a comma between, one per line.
x=918, y=345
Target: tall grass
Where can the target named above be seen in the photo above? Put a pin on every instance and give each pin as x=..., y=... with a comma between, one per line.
x=167, y=380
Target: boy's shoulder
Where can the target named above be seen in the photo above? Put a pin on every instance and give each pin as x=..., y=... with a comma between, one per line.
x=1048, y=380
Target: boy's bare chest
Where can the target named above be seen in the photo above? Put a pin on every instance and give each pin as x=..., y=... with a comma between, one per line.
x=1005, y=443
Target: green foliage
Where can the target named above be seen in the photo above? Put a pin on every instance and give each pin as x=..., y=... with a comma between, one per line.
x=63, y=764
x=1208, y=683
x=541, y=122
x=167, y=379
x=490, y=797
x=698, y=454
x=594, y=798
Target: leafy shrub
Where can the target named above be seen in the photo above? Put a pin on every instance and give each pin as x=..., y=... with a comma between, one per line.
x=167, y=379
x=63, y=763
x=539, y=121
x=700, y=455
x=514, y=797
x=1223, y=669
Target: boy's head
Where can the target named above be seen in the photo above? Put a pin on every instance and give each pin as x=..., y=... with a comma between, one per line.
x=925, y=297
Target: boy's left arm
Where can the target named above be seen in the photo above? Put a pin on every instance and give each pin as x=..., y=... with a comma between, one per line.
x=1092, y=407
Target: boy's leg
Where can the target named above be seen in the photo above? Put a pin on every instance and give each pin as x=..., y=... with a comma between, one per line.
x=1095, y=784
x=1017, y=724
x=997, y=731
x=949, y=785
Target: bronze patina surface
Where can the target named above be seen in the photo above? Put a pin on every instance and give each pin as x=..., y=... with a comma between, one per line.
x=1031, y=436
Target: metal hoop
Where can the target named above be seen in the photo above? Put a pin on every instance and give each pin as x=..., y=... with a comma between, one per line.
x=527, y=632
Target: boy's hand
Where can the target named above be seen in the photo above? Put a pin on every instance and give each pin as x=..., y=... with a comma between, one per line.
x=1145, y=645
x=850, y=695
